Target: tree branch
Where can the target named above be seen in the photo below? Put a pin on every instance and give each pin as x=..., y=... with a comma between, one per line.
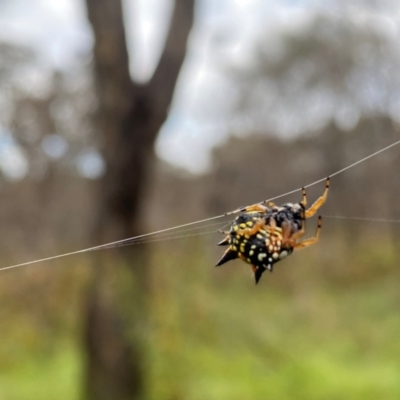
x=110, y=56
x=166, y=74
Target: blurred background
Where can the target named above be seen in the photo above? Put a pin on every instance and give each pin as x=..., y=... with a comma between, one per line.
x=119, y=118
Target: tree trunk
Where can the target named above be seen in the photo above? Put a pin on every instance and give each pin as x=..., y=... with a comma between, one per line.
x=129, y=118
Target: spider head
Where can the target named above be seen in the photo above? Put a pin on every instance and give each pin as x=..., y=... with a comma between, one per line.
x=292, y=213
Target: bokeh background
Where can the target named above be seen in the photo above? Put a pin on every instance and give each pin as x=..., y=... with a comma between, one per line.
x=122, y=118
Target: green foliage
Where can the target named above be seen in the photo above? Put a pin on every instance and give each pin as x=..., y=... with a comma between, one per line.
x=57, y=375
x=325, y=324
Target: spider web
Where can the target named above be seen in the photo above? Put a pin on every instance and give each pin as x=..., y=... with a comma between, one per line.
x=167, y=234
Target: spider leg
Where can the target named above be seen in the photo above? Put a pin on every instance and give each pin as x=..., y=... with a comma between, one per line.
x=258, y=207
x=320, y=201
x=263, y=206
x=304, y=199
x=272, y=225
x=302, y=231
x=288, y=236
x=260, y=224
x=255, y=207
x=286, y=232
x=225, y=241
x=310, y=241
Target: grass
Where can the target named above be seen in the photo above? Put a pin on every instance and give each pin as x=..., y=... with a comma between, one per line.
x=55, y=376
x=303, y=339
x=311, y=330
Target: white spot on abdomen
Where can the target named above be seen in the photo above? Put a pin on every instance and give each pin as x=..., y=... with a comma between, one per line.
x=261, y=256
x=283, y=254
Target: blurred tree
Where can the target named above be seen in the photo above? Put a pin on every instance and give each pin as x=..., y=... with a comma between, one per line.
x=129, y=117
x=45, y=126
x=335, y=68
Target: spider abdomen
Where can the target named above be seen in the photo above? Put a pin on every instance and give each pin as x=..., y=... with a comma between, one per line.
x=261, y=248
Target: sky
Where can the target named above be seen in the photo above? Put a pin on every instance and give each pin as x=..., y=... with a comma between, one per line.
x=59, y=33
x=224, y=35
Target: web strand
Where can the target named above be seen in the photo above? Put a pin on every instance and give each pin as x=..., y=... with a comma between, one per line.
x=161, y=239
x=167, y=235
x=366, y=219
x=331, y=175
x=122, y=243
x=133, y=240
x=170, y=236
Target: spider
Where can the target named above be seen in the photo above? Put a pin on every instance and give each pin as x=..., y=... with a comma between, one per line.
x=265, y=233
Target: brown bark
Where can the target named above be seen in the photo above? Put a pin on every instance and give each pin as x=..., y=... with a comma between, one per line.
x=130, y=116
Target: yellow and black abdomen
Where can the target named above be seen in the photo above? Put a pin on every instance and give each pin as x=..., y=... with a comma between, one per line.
x=257, y=245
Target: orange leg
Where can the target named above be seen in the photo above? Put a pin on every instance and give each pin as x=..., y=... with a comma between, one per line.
x=302, y=231
x=304, y=199
x=310, y=241
x=225, y=242
x=256, y=207
x=259, y=207
x=260, y=224
x=288, y=237
x=272, y=225
x=286, y=232
x=272, y=228
x=320, y=201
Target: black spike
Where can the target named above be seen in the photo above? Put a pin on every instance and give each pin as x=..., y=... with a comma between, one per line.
x=258, y=272
x=228, y=255
x=224, y=242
